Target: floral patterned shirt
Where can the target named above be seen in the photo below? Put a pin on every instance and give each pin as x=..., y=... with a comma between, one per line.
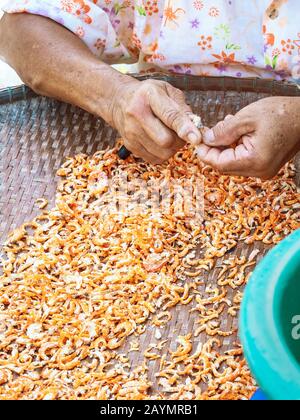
x=253, y=38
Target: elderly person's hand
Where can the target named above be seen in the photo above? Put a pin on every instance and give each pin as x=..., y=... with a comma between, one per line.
x=257, y=141
x=153, y=118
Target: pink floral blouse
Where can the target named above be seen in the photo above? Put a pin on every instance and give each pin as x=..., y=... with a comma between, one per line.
x=256, y=38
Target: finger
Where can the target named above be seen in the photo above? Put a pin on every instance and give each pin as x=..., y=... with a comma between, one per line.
x=170, y=113
x=156, y=150
x=159, y=138
x=179, y=97
x=229, y=161
x=139, y=150
x=229, y=131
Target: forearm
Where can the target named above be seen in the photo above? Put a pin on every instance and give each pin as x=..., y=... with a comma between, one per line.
x=56, y=63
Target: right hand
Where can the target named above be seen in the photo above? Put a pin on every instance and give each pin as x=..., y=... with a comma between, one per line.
x=153, y=119
x=257, y=141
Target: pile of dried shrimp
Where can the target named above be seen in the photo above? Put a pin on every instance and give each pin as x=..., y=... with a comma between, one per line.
x=78, y=280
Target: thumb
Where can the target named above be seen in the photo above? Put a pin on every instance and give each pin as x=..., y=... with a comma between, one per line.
x=175, y=118
x=228, y=132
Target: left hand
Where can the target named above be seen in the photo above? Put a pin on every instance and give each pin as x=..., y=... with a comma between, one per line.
x=153, y=118
x=257, y=141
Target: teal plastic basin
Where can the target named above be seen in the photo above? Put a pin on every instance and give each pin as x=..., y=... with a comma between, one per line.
x=270, y=321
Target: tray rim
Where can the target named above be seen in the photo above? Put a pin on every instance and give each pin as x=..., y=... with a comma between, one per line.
x=185, y=82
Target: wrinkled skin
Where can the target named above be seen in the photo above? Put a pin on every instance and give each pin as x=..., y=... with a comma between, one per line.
x=257, y=141
x=151, y=116
x=154, y=120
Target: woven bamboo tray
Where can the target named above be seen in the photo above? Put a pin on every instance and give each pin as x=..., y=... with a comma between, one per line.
x=37, y=134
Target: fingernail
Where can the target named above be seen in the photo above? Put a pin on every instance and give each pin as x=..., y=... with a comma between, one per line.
x=209, y=137
x=199, y=152
x=193, y=138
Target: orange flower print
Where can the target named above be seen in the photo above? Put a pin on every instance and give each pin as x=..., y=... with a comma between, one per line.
x=80, y=31
x=198, y=4
x=171, y=14
x=100, y=43
x=205, y=43
x=155, y=56
x=151, y=7
x=67, y=6
x=134, y=52
x=269, y=38
x=297, y=43
x=288, y=46
x=224, y=58
x=276, y=52
x=159, y=57
x=152, y=53
x=214, y=12
x=153, y=47
x=136, y=41
x=78, y=8
x=147, y=29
